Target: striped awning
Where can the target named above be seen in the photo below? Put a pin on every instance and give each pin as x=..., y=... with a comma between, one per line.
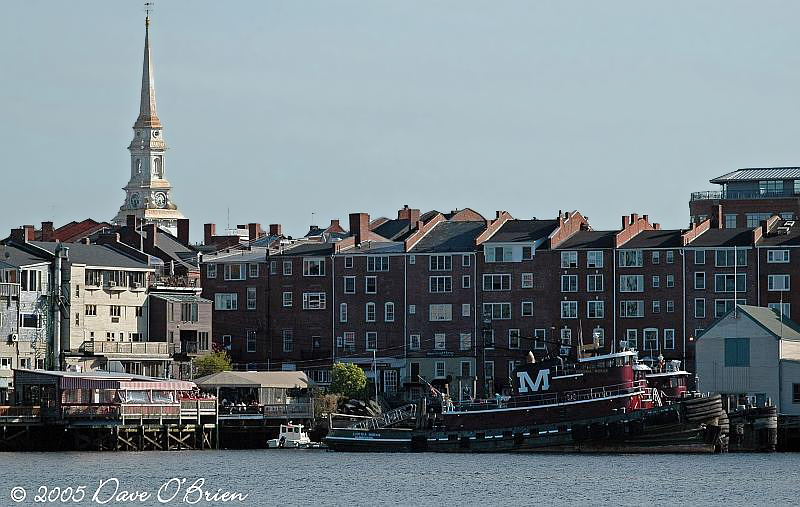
x=160, y=385
x=87, y=383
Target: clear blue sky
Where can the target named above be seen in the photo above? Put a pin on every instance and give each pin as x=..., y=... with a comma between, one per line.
x=278, y=109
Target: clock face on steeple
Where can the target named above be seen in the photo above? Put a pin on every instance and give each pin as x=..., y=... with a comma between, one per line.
x=135, y=201
x=160, y=199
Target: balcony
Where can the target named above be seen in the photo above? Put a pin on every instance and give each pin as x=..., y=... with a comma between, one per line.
x=128, y=348
x=9, y=290
x=739, y=195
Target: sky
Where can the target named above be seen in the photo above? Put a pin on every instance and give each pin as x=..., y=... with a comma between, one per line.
x=299, y=112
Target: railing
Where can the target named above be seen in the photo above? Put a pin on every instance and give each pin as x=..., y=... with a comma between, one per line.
x=732, y=194
x=20, y=414
x=188, y=348
x=278, y=411
x=395, y=416
x=90, y=411
x=9, y=290
x=190, y=408
x=137, y=348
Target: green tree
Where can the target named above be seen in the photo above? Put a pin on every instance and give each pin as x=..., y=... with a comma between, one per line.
x=211, y=363
x=348, y=380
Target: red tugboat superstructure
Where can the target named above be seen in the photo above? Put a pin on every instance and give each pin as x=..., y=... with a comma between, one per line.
x=592, y=404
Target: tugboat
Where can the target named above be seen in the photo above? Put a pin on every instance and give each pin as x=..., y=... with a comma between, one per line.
x=592, y=404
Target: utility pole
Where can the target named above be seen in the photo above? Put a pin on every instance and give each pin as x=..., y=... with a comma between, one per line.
x=375, y=373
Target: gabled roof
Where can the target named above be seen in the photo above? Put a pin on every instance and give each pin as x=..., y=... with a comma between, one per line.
x=280, y=379
x=777, y=237
x=589, y=239
x=656, y=239
x=94, y=255
x=19, y=258
x=395, y=230
x=450, y=237
x=740, y=236
x=754, y=174
x=514, y=231
x=75, y=231
x=767, y=318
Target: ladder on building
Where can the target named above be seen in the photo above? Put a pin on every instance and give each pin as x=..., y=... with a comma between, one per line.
x=389, y=418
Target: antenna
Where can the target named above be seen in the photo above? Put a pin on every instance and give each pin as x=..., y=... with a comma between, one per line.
x=148, y=7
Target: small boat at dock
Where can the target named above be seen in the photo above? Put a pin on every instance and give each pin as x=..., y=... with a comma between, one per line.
x=291, y=436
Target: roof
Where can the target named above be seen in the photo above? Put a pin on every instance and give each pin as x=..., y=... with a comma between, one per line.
x=94, y=255
x=18, y=258
x=281, y=379
x=766, y=173
x=774, y=238
x=257, y=254
x=394, y=229
x=739, y=236
x=768, y=319
x=450, y=237
x=376, y=247
x=590, y=239
x=179, y=298
x=311, y=248
x=75, y=231
x=523, y=231
x=265, y=240
x=656, y=239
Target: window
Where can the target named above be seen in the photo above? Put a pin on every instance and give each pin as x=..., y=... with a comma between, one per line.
x=313, y=267
x=781, y=308
x=441, y=262
x=370, y=312
x=94, y=277
x=388, y=312
x=699, y=280
x=725, y=257
x=539, y=337
x=349, y=285
x=656, y=306
x=348, y=261
x=631, y=308
x=650, y=339
x=512, y=367
x=389, y=381
x=755, y=219
x=599, y=335
x=513, y=338
x=527, y=281
x=777, y=256
x=251, y=341
x=488, y=338
x=700, y=308
x=412, y=309
x=252, y=270
x=223, y=301
x=569, y=259
x=498, y=253
x=527, y=253
x=795, y=390
x=441, y=312
x=566, y=337
x=569, y=283
x=251, y=298
x=465, y=260
x=594, y=283
x=527, y=308
x=466, y=282
x=343, y=312
x=669, y=339
x=314, y=300
x=778, y=282
x=226, y=341
x=234, y=272
x=288, y=340
x=138, y=311
x=29, y=320
x=631, y=283
x=630, y=258
x=699, y=256
x=670, y=256
x=656, y=281
x=595, y=309
x=287, y=268
x=273, y=267
x=670, y=306
x=77, y=319
x=723, y=306
x=439, y=341
x=413, y=342
x=202, y=338
x=730, y=282
x=189, y=312
x=594, y=259
x=372, y=340
x=465, y=309
x=632, y=338
x=466, y=369
x=656, y=257
x=440, y=284
x=440, y=369
x=90, y=310
x=115, y=310
x=497, y=311
x=737, y=352
x=496, y=282
x=670, y=280
x=377, y=263
x=465, y=342
x=730, y=220
x=412, y=259
x=569, y=309
x=211, y=271
x=77, y=290
x=488, y=370
x=5, y=363
x=287, y=298
x=371, y=284
x=349, y=341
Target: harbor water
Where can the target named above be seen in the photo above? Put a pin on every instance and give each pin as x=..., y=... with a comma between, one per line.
x=313, y=477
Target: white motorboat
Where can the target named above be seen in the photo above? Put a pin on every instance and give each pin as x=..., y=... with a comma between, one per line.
x=290, y=436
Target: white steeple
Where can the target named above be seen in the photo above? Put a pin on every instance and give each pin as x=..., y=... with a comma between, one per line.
x=147, y=193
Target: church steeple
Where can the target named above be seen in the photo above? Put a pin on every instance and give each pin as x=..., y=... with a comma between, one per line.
x=147, y=106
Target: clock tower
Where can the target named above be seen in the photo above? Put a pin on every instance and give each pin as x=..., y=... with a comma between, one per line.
x=147, y=193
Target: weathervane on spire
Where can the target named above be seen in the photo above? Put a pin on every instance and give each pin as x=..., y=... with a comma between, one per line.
x=148, y=6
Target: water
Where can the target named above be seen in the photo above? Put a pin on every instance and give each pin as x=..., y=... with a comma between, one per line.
x=305, y=477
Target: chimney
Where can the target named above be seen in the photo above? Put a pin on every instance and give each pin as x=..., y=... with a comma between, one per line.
x=253, y=231
x=410, y=214
x=334, y=224
x=274, y=229
x=720, y=218
x=47, y=231
x=150, y=240
x=130, y=220
x=359, y=226
x=624, y=222
x=764, y=228
x=634, y=218
x=644, y=217
x=183, y=230
x=18, y=235
x=209, y=231
x=86, y=241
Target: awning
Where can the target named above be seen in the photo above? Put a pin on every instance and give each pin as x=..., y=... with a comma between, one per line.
x=162, y=385
x=87, y=383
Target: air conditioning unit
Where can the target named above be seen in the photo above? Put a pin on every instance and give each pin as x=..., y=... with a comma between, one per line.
x=13, y=338
x=112, y=283
x=115, y=320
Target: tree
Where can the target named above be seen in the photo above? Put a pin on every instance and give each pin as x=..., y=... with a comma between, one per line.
x=348, y=380
x=211, y=363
